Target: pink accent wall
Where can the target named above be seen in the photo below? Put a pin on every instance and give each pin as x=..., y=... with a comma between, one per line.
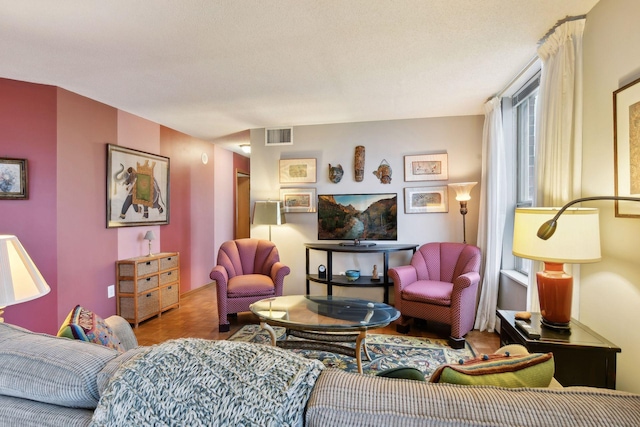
x=191, y=227
x=86, y=248
x=144, y=135
x=62, y=225
x=28, y=131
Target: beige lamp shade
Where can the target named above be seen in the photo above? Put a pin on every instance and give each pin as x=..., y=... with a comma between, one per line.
x=20, y=280
x=463, y=190
x=576, y=241
x=267, y=212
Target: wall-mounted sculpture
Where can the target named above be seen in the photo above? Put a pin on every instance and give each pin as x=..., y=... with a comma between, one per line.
x=358, y=163
x=384, y=172
x=335, y=173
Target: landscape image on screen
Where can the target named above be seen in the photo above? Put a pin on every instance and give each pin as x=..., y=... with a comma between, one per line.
x=358, y=216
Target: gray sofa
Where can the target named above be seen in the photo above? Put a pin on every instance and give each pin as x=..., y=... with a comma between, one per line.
x=50, y=381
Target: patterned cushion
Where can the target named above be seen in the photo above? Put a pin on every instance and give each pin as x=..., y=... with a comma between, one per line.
x=503, y=370
x=82, y=324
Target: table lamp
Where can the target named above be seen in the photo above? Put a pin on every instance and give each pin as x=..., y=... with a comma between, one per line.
x=269, y=213
x=576, y=242
x=463, y=195
x=20, y=279
x=149, y=236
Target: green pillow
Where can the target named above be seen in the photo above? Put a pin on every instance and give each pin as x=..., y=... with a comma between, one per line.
x=404, y=372
x=502, y=370
x=84, y=325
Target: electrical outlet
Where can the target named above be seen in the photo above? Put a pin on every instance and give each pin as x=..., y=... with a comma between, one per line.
x=111, y=291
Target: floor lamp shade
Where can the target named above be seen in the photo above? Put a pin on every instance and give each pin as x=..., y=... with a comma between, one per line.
x=576, y=241
x=269, y=213
x=20, y=279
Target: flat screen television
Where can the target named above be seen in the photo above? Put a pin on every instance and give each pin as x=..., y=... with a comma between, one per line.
x=358, y=216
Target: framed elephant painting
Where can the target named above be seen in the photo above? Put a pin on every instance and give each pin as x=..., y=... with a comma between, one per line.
x=137, y=188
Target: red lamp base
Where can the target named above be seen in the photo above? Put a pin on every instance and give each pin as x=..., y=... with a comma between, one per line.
x=555, y=289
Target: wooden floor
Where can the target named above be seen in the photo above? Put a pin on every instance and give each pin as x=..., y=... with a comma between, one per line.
x=197, y=317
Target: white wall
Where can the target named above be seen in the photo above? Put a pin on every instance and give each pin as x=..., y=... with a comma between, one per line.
x=459, y=137
x=610, y=289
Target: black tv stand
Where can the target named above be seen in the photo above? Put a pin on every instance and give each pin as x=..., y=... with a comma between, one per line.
x=357, y=243
x=362, y=281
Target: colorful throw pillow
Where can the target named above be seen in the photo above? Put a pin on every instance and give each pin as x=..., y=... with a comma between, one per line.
x=82, y=324
x=502, y=370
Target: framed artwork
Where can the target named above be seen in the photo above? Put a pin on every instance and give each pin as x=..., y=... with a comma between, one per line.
x=298, y=199
x=626, y=147
x=426, y=167
x=426, y=200
x=14, y=182
x=297, y=170
x=137, y=188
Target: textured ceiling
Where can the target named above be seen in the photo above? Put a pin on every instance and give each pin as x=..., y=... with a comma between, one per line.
x=214, y=68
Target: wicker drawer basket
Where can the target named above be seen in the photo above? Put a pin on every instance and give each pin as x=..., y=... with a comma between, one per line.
x=148, y=305
x=169, y=295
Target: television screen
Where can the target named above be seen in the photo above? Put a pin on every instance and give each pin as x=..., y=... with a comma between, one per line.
x=358, y=216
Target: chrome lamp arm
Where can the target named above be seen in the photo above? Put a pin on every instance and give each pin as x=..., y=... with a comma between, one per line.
x=547, y=229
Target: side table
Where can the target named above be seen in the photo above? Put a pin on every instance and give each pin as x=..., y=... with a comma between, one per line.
x=582, y=357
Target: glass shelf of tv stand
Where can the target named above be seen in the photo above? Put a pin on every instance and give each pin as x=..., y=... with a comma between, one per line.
x=363, y=281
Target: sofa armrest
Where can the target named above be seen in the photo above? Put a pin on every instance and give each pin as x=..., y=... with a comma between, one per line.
x=123, y=331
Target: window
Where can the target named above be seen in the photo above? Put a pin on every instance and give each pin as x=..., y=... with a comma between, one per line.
x=524, y=125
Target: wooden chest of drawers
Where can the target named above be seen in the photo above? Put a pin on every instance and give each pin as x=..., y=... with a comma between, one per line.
x=146, y=286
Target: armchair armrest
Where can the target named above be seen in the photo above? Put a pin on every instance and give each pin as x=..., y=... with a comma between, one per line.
x=403, y=276
x=220, y=275
x=278, y=272
x=465, y=280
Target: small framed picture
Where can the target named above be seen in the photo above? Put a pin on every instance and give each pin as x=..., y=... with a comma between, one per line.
x=297, y=171
x=13, y=179
x=426, y=167
x=298, y=199
x=426, y=200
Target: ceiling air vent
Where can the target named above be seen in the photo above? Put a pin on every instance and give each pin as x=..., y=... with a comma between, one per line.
x=278, y=136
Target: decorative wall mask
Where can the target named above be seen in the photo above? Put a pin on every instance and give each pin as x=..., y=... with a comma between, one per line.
x=335, y=173
x=384, y=172
x=358, y=162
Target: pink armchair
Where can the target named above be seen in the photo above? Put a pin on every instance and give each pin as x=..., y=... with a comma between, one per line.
x=440, y=285
x=248, y=270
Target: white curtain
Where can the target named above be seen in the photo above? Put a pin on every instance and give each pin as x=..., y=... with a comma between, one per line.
x=559, y=131
x=493, y=209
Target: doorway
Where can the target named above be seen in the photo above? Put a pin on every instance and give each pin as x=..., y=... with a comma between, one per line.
x=243, y=206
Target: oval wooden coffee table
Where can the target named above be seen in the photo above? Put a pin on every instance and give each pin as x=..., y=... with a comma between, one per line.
x=324, y=322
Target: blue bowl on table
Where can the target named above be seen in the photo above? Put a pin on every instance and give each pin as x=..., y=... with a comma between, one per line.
x=352, y=275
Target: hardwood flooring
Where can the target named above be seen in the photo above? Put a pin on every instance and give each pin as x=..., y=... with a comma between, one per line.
x=197, y=317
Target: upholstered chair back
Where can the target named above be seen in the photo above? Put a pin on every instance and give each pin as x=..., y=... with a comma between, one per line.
x=445, y=261
x=247, y=256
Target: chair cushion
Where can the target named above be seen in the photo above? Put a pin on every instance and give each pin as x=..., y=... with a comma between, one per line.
x=84, y=325
x=429, y=291
x=250, y=285
x=502, y=370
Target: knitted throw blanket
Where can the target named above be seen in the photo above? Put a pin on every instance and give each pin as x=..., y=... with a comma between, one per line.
x=193, y=382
